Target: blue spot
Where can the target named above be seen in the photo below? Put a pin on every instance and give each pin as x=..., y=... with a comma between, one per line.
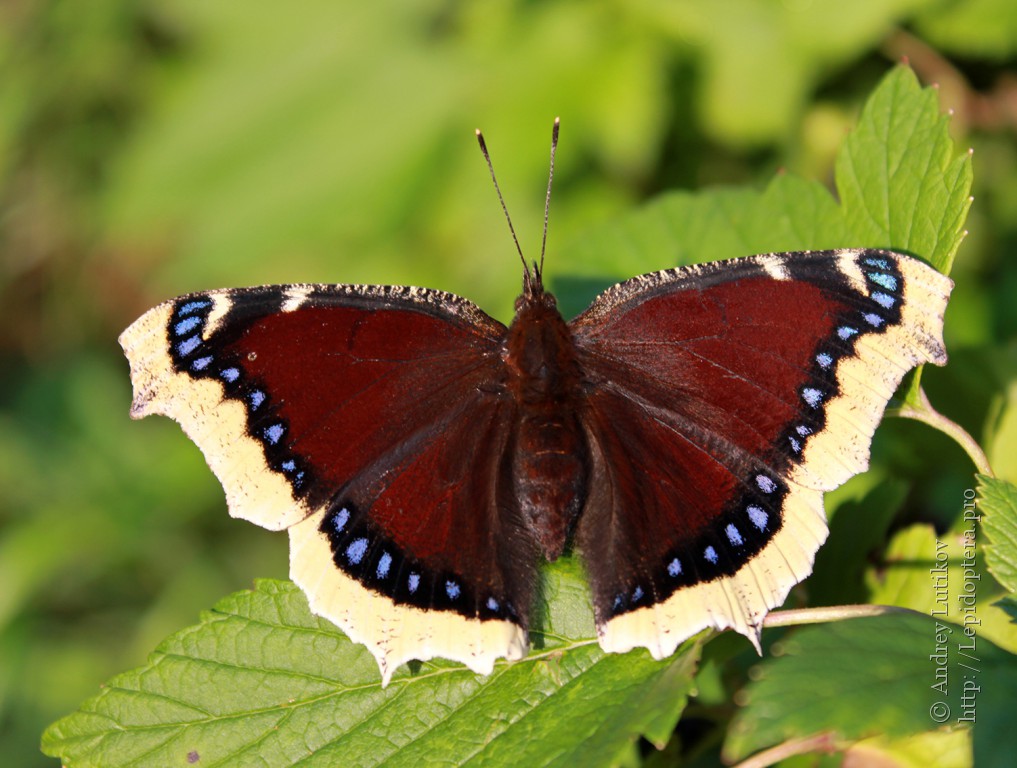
x=878, y=263
x=758, y=516
x=884, y=280
x=452, y=589
x=674, y=568
x=846, y=332
x=384, y=563
x=185, y=347
x=341, y=518
x=795, y=445
x=184, y=327
x=230, y=374
x=194, y=306
x=766, y=485
x=492, y=604
x=802, y=430
x=618, y=600
x=413, y=582
x=885, y=300
x=734, y=535
x=812, y=396
x=256, y=398
x=710, y=554
x=824, y=360
x=637, y=593
x=873, y=319
x=275, y=432
x=356, y=550
x=289, y=465
x=201, y=363
x=298, y=480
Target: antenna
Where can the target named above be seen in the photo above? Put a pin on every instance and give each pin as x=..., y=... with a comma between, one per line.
x=547, y=200
x=490, y=166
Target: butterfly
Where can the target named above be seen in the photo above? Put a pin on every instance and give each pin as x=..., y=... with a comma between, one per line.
x=425, y=458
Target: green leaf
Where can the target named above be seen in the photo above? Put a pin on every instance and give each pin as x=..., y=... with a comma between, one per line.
x=899, y=180
x=260, y=679
x=900, y=184
x=944, y=576
x=997, y=504
x=892, y=675
x=857, y=528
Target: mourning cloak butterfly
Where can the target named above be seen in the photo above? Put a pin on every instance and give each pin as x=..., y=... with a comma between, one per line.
x=424, y=457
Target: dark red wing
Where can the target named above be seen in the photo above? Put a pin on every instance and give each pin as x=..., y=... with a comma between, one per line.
x=722, y=400
x=372, y=423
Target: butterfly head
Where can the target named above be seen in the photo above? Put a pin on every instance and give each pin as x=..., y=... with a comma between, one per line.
x=533, y=294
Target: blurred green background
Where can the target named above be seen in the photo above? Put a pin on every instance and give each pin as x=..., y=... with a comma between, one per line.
x=150, y=148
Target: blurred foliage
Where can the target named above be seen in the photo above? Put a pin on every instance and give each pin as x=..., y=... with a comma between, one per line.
x=150, y=148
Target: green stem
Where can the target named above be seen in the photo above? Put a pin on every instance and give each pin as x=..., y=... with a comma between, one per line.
x=799, y=616
x=925, y=413
x=824, y=742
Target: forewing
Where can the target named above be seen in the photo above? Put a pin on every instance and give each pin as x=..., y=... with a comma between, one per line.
x=724, y=399
x=316, y=405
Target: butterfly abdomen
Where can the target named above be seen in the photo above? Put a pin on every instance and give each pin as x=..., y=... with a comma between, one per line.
x=549, y=454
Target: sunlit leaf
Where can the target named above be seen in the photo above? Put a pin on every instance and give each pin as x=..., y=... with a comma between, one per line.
x=260, y=679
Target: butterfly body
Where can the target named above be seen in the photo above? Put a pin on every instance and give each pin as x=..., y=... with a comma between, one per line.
x=423, y=457
x=549, y=460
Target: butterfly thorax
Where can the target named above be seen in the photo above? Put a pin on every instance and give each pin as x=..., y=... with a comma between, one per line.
x=549, y=449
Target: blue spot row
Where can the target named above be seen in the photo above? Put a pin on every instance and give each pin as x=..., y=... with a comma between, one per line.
x=255, y=398
x=194, y=354
x=758, y=516
x=188, y=345
x=736, y=538
x=801, y=431
x=885, y=300
x=194, y=305
x=812, y=396
x=884, y=280
x=187, y=325
x=734, y=535
x=291, y=470
x=356, y=550
x=274, y=432
x=380, y=567
x=340, y=519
